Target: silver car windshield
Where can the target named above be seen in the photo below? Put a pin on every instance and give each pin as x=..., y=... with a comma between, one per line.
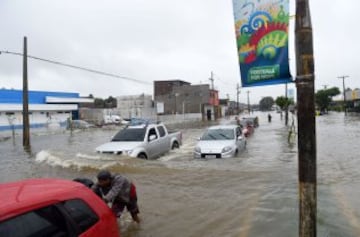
x=218, y=134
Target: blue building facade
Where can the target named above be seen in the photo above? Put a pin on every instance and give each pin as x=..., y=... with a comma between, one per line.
x=45, y=108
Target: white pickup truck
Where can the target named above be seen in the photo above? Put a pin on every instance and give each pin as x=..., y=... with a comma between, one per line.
x=146, y=141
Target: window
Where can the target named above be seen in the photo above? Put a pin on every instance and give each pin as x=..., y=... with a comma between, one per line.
x=44, y=222
x=82, y=214
x=238, y=132
x=9, y=113
x=152, y=131
x=161, y=131
x=133, y=134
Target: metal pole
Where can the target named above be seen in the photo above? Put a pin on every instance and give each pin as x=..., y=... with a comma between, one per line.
x=343, y=78
x=26, y=124
x=237, y=102
x=306, y=121
x=248, y=101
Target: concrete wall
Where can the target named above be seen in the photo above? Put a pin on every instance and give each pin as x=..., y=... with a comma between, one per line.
x=135, y=106
x=178, y=118
x=185, y=99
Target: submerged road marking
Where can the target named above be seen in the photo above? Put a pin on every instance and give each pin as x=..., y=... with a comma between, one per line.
x=249, y=215
x=347, y=211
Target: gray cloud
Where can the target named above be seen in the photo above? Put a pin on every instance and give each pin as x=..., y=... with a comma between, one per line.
x=155, y=40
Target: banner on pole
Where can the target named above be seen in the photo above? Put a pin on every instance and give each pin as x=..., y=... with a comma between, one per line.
x=262, y=41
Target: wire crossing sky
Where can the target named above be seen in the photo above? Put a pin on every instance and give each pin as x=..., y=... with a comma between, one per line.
x=77, y=67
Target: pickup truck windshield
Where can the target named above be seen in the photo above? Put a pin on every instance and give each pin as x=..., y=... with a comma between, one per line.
x=130, y=135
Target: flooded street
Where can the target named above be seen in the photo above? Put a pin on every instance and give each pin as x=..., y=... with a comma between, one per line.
x=253, y=194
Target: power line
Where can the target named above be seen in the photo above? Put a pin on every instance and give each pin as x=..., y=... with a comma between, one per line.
x=224, y=82
x=77, y=67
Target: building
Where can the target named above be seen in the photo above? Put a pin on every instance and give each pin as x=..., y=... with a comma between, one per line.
x=133, y=106
x=180, y=97
x=45, y=108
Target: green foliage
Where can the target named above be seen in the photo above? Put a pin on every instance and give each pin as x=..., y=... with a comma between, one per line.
x=283, y=102
x=110, y=102
x=105, y=103
x=98, y=103
x=323, y=98
x=266, y=103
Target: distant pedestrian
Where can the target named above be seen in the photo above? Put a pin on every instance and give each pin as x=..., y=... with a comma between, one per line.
x=119, y=191
x=269, y=118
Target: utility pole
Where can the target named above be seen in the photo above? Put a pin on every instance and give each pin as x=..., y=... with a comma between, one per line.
x=343, y=78
x=237, y=95
x=325, y=86
x=212, y=80
x=26, y=124
x=248, y=101
x=212, y=95
x=306, y=120
x=287, y=105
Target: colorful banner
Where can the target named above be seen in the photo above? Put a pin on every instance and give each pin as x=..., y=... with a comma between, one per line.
x=262, y=40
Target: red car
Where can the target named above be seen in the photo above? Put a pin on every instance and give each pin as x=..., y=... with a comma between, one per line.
x=53, y=207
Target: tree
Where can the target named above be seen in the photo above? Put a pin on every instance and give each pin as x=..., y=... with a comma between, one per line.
x=323, y=98
x=98, y=103
x=110, y=102
x=266, y=103
x=283, y=102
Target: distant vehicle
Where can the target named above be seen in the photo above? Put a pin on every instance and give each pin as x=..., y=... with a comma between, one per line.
x=146, y=141
x=112, y=119
x=248, y=125
x=253, y=121
x=54, y=207
x=81, y=124
x=220, y=141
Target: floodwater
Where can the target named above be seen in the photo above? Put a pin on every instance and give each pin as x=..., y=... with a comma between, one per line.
x=254, y=194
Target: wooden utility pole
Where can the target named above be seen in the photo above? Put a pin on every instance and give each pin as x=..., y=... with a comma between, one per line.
x=287, y=105
x=343, y=78
x=306, y=120
x=26, y=124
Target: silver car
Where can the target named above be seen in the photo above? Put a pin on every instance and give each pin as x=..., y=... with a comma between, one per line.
x=220, y=141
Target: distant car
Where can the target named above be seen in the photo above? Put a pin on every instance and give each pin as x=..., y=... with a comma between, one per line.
x=54, y=207
x=112, y=119
x=253, y=121
x=220, y=141
x=248, y=125
x=81, y=124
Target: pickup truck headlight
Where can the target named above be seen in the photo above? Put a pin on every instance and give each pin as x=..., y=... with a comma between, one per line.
x=128, y=152
x=226, y=149
x=198, y=149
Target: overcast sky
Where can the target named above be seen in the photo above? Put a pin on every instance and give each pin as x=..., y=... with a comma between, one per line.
x=158, y=40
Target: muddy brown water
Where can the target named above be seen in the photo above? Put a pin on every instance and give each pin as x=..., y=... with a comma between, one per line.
x=253, y=194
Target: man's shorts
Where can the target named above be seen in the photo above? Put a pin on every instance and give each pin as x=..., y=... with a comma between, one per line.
x=131, y=206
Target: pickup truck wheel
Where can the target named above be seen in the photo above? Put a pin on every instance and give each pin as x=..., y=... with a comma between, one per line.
x=142, y=156
x=175, y=145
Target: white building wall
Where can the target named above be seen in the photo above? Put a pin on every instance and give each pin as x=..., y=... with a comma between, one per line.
x=136, y=106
